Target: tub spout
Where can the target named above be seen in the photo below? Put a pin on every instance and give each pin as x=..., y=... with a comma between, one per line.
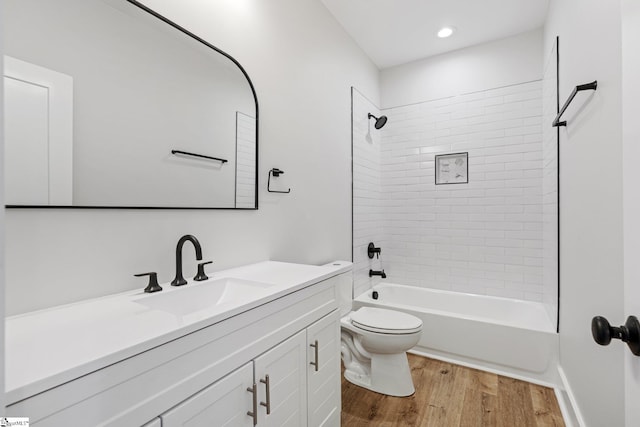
x=380, y=273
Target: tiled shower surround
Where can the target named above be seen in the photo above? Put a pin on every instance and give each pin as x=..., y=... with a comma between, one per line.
x=367, y=196
x=484, y=237
x=550, y=186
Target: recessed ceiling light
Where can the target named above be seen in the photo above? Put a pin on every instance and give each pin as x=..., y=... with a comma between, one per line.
x=445, y=32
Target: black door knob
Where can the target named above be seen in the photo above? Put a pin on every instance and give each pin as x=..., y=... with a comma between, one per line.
x=603, y=332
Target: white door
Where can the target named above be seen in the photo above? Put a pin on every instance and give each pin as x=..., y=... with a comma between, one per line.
x=27, y=147
x=631, y=194
x=281, y=375
x=323, y=371
x=38, y=117
x=224, y=403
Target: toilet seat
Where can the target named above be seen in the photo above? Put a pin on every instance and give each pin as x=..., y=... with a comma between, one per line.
x=385, y=321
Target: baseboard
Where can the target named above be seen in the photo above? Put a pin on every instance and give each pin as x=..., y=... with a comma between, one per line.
x=567, y=402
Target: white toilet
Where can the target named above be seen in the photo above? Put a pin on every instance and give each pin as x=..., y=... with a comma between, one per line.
x=374, y=345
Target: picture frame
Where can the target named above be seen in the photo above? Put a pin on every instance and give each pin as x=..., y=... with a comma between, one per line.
x=452, y=168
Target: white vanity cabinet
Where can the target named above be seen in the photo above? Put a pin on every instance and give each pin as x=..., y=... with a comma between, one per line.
x=289, y=346
x=323, y=385
x=224, y=403
x=281, y=380
x=289, y=390
x=278, y=387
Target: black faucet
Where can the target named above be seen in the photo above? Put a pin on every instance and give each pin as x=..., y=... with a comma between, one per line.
x=179, y=280
x=380, y=273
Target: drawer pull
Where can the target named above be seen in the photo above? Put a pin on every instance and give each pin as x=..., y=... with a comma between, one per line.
x=316, y=364
x=265, y=381
x=254, y=414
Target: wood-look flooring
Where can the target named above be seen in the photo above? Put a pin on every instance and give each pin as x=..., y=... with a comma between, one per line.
x=449, y=395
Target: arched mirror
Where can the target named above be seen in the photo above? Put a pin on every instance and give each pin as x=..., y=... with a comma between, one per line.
x=108, y=104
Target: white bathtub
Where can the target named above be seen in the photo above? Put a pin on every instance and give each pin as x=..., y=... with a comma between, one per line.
x=509, y=337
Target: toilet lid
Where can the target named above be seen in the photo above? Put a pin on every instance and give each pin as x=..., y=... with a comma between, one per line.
x=385, y=321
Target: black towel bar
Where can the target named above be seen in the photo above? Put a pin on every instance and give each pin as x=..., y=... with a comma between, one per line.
x=587, y=86
x=186, y=153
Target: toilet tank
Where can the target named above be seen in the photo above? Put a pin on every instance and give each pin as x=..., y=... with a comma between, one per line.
x=345, y=292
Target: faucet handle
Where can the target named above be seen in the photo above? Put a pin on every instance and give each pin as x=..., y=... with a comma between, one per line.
x=371, y=250
x=153, y=285
x=200, y=276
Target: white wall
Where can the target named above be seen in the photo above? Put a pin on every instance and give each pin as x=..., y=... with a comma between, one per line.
x=500, y=63
x=484, y=236
x=303, y=65
x=591, y=203
x=368, y=217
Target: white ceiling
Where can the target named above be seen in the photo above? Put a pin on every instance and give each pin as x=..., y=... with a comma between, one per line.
x=394, y=32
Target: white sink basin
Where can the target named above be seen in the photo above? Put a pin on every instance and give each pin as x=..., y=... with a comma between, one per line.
x=195, y=297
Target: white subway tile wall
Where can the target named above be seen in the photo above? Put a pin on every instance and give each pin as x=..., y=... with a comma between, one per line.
x=496, y=235
x=367, y=199
x=245, y=161
x=484, y=237
x=550, y=187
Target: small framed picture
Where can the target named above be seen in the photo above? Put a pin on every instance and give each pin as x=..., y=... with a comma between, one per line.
x=452, y=168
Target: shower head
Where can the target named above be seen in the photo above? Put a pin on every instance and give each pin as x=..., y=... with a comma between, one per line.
x=380, y=121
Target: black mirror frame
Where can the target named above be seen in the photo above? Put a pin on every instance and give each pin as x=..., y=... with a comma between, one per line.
x=255, y=97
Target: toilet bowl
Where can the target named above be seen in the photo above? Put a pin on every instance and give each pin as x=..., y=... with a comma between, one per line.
x=374, y=345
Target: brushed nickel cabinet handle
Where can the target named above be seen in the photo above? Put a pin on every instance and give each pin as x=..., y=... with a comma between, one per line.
x=254, y=414
x=316, y=364
x=265, y=381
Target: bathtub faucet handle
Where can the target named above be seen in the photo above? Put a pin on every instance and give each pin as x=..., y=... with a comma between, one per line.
x=371, y=250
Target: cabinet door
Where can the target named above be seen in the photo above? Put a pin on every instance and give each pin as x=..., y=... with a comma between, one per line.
x=224, y=403
x=284, y=393
x=323, y=352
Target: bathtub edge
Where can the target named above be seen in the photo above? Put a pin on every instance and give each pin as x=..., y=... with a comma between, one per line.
x=547, y=379
x=538, y=369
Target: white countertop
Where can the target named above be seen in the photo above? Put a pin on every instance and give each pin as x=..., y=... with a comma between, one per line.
x=48, y=347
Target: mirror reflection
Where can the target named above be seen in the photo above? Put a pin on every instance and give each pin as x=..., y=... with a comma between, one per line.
x=107, y=105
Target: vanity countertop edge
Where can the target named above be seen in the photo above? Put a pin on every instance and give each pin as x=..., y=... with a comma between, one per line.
x=47, y=348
